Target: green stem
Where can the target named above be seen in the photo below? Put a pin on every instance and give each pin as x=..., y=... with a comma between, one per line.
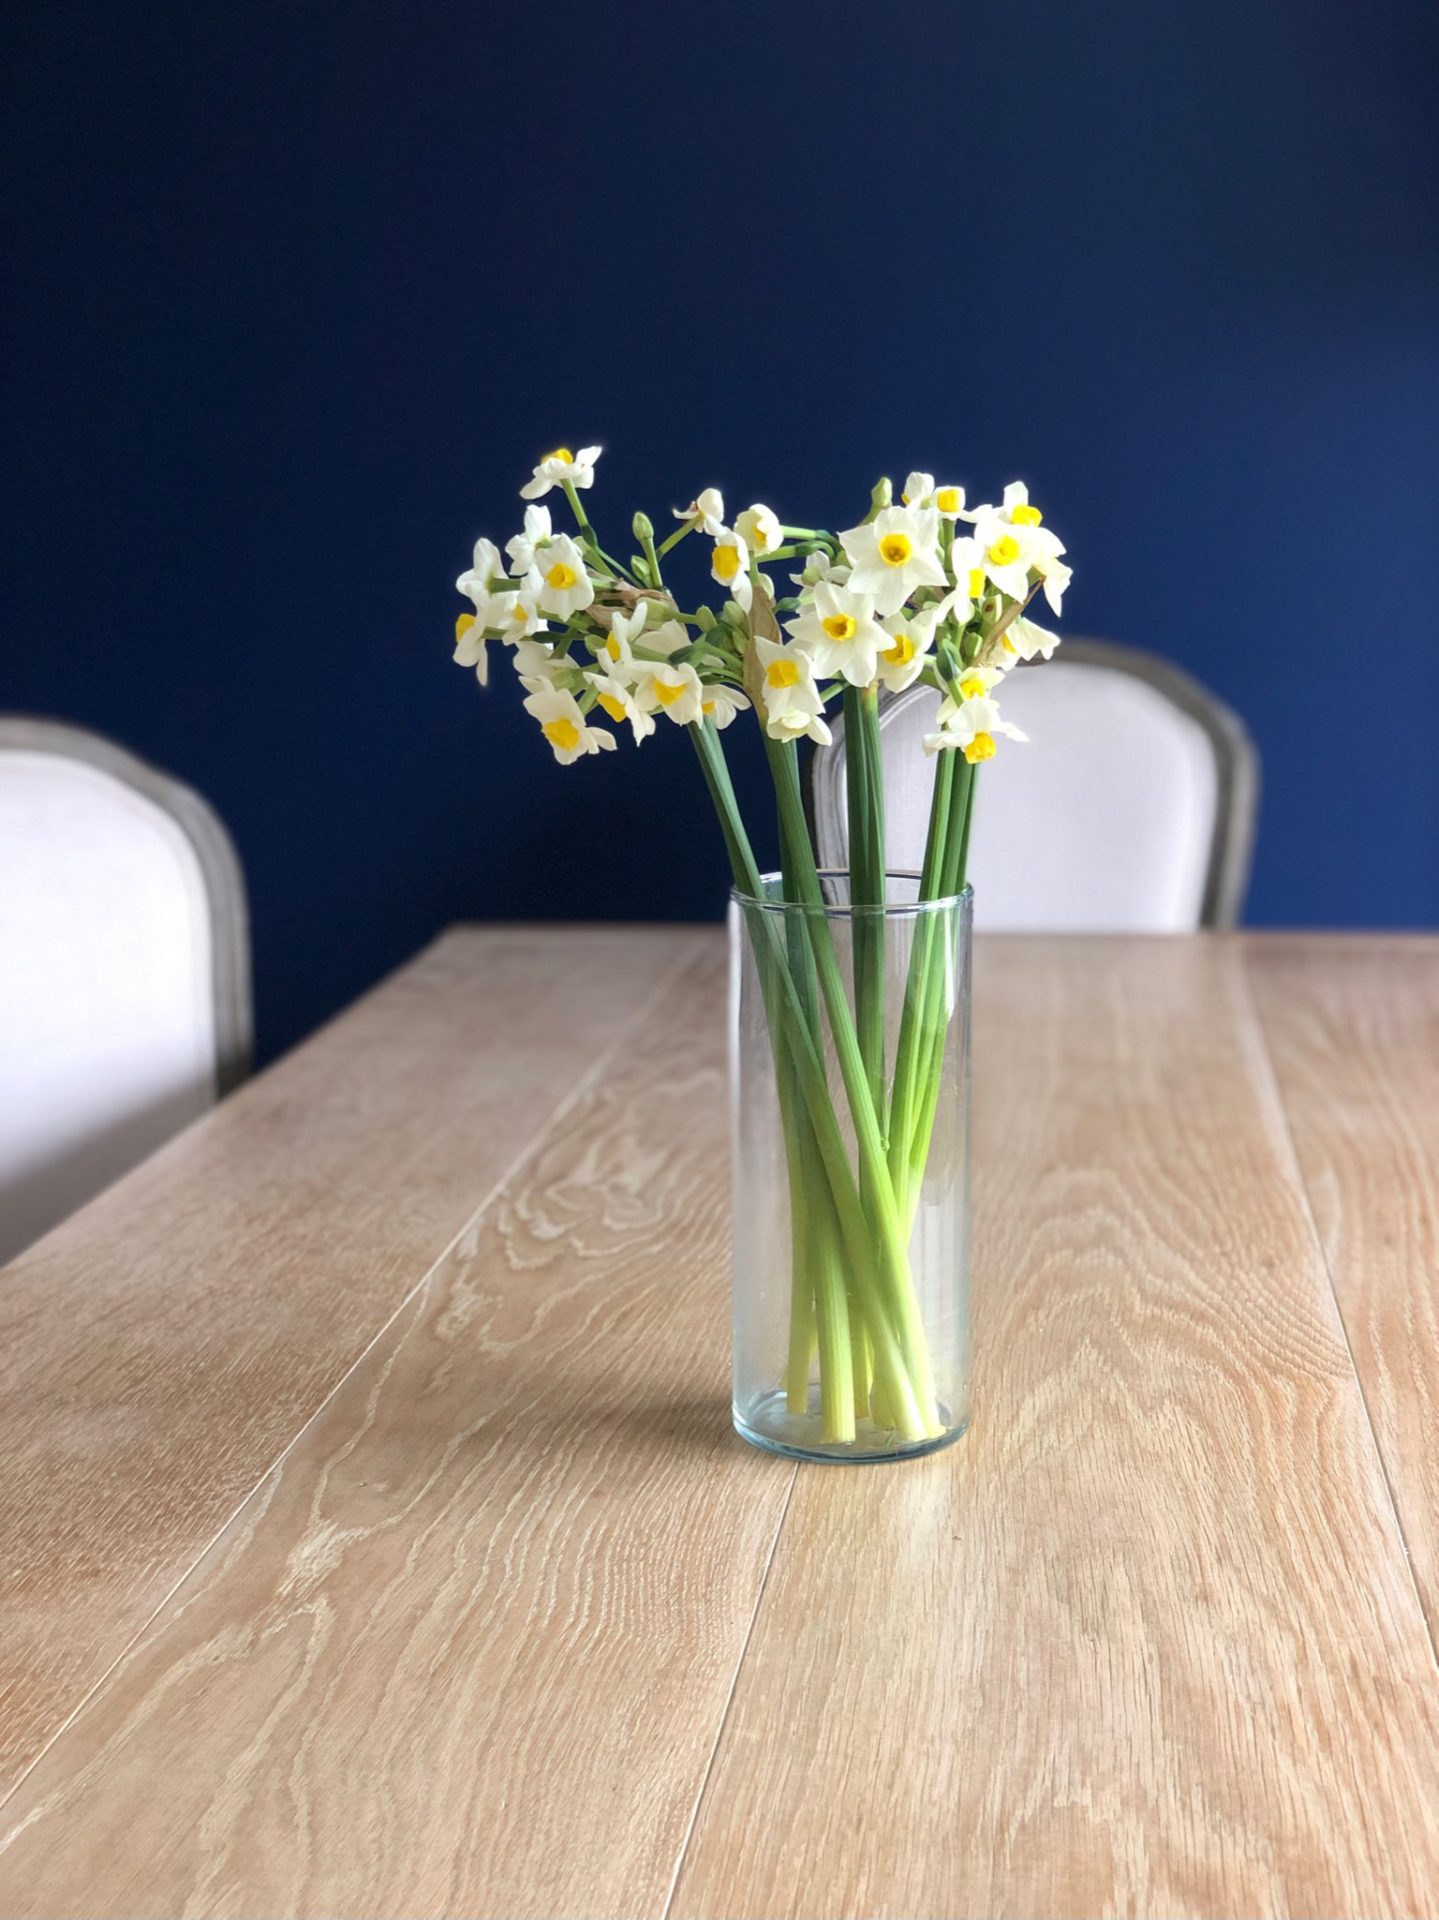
x=879, y=1207
x=908, y=1398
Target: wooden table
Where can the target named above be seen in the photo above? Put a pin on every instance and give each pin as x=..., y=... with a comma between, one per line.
x=373, y=1541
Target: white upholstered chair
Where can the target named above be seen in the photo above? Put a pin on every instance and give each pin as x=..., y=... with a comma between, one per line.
x=1131, y=810
x=124, y=968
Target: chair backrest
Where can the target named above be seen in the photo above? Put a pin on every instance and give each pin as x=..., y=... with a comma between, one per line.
x=124, y=968
x=1131, y=811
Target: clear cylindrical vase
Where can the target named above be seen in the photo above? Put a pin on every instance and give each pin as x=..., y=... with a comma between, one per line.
x=849, y=1087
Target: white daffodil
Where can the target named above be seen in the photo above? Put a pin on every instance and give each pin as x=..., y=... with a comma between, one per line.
x=565, y=586
x=563, y=725
x=556, y=468
x=475, y=584
x=966, y=562
x=729, y=564
x=662, y=687
x=705, y=511
x=893, y=554
x=760, y=530
x=840, y=634
x=819, y=566
x=910, y=637
x=920, y=491
x=615, y=650
x=526, y=549
x=792, y=705
x=537, y=665
x=1055, y=576
x=1016, y=507
x=969, y=725
x=470, y=647
x=519, y=612
x=721, y=704
x=620, y=701
x=1006, y=553
x=1026, y=640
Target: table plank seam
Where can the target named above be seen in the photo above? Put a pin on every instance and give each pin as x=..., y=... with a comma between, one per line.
x=704, y=1785
x=1276, y=1092
x=532, y=1147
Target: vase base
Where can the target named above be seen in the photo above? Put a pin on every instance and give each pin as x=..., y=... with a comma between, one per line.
x=769, y=1425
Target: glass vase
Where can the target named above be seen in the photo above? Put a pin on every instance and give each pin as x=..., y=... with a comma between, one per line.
x=849, y=1087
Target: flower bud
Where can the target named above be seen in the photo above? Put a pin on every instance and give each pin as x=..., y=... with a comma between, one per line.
x=881, y=497
x=704, y=619
x=643, y=527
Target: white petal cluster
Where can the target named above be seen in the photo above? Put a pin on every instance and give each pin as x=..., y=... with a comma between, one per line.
x=561, y=468
x=929, y=589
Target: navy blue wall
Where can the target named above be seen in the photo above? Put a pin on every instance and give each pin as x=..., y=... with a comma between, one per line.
x=299, y=292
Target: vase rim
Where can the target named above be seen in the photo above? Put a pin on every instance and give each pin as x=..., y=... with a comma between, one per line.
x=891, y=910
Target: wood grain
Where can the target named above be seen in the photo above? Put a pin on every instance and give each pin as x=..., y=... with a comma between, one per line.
x=468, y=1648
x=159, y=1351
x=1146, y=1642
x=1354, y=1038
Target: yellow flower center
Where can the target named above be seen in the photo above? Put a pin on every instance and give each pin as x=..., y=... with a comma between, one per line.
x=520, y=614
x=976, y=583
x=840, y=626
x=612, y=647
x=726, y=562
x=981, y=747
x=1005, y=551
x=562, y=576
x=902, y=652
x=947, y=499
x=895, y=549
x=463, y=625
x=666, y=694
x=972, y=687
x=560, y=453
x=1025, y=516
x=1008, y=644
x=615, y=708
x=707, y=706
x=782, y=673
x=563, y=734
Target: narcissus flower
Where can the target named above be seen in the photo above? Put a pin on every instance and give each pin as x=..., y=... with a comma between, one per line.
x=538, y=665
x=729, y=564
x=920, y=491
x=474, y=583
x=1026, y=640
x=908, y=640
x=971, y=724
x=563, y=725
x=554, y=469
x=662, y=687
x=792, y=704
x=819, y=566
x=565, y=587
x=525, y=549
x=839, y=632
x=470, y=647
x=759, y=529
x=720, y=704
x=893, y=554
x=620, y=700
x=705, y=511
x=1056, y=577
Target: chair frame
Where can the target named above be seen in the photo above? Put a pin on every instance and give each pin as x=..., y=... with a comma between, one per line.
x=219, y=867
x=1236, y=766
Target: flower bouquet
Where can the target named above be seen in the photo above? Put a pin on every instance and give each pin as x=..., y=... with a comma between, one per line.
x=850, y=1022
